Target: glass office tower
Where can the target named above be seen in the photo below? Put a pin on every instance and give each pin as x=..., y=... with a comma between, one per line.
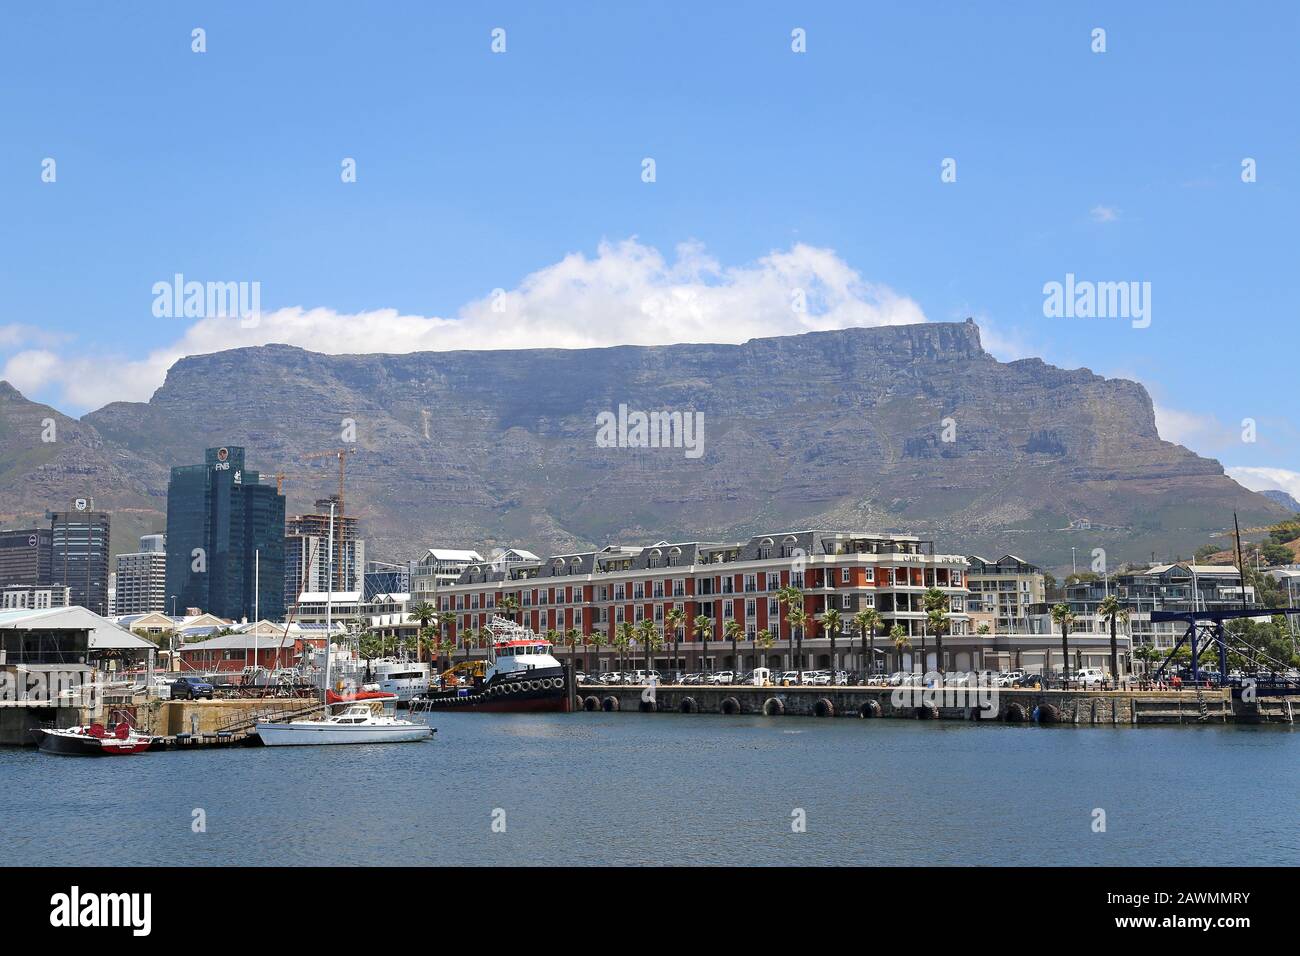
x=222, y=523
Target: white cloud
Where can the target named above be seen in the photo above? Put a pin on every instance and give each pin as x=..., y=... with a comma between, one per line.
x=1193, y=430
x=15, y=334
x=627, y=294
x=1264, y=479
x=1104, y=213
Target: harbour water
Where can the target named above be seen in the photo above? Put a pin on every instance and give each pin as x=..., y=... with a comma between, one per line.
x=667, y=789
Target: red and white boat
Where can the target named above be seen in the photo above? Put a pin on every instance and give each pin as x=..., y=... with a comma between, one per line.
x=93, y=741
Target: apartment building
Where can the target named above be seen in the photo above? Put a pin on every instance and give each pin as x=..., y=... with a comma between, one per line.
x=140, y=582
x=596, y=591
x=439, y=568
x=1005, y=590
x=1161, y=587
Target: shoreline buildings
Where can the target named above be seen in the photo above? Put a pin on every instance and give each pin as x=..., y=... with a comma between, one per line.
x=225, y=539
x=738, y=581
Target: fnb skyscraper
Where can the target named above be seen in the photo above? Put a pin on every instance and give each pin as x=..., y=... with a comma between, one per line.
x=222, y=522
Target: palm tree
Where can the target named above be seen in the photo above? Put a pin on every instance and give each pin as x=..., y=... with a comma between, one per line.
x=703, y=627
x=832, y=624
x=653, y=640
x=446, y=621
x=596, y=639
x=732, y=630
x=424, y=638
x=799, y=620
x=898, y=634
x=645, y=632
x=424, y=612
x=935, y=603
x=572, y=637
x=764, y=639
x=1111, y=611
x=867, y=621
x=675, y=619
x=792, y=598
x=1063, y=618
x=446, y=645
x=510, y=605
x=622, y=641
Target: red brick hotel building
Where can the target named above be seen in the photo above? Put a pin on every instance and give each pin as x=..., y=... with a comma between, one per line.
x=724, y=581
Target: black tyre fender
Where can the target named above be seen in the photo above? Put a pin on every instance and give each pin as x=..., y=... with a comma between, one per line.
x=824, y=707
x=729, y=706
x=1014, y=713
x=773, y=707
x=1048, y=714
x=648, y=706
x=869, y=708
x=927, y=712
x=688, y=706
x=591, y=703
x=610, y=704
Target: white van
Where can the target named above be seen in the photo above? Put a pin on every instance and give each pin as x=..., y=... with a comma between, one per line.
x=1089, y=676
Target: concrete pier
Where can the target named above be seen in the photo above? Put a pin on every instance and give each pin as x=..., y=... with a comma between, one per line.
x=1014, y=705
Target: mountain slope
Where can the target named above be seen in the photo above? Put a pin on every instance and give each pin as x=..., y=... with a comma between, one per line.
x=840, y=428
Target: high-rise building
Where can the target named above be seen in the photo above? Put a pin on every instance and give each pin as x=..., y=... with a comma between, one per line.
x=306, y=552
x=25, y=556
x=225, y=539
x=79, y=554
x=141, y=584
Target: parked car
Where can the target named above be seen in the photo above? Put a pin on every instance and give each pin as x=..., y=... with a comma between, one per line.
x=787, y=678
x=816, y=678
x=722, y=677
x=610, y=677
x=1028, y=680
x=1089, y=677
x=191, y=688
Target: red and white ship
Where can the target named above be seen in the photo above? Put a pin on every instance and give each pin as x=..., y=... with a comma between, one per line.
x=523, y=676
x=93, y=741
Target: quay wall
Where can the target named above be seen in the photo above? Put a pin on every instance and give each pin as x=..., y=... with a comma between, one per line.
x=1084, y=707
x=167, y=718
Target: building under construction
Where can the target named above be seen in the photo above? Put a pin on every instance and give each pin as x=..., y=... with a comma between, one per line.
x=306, y=552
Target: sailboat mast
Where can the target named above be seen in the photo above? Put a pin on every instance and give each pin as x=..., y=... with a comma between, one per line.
x=329, y=606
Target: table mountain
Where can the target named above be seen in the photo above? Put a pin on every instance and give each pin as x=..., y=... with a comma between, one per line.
x=911, y=428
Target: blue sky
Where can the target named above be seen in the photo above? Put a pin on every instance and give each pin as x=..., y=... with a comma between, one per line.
x=479, y=171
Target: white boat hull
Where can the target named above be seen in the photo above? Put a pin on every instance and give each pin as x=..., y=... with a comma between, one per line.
x=311, y=733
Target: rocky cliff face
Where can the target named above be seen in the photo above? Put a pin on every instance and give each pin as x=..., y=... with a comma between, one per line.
x=902, y=428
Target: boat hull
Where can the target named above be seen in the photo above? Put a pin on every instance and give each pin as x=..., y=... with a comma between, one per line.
x=310, y=734
x=539, y=692
x=78, y=745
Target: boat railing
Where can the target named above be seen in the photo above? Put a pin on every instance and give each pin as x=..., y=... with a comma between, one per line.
x=272, y=712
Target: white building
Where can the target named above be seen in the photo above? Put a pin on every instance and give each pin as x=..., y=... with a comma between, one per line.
x=141, y=578
x=438, y=569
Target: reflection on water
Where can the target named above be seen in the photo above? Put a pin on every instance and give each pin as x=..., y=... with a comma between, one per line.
x=649, y=789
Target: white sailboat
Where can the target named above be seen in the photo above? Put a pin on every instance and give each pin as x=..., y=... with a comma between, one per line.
x=356, y=725
x=359, y=724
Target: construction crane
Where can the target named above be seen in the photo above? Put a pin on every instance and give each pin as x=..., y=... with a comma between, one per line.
x=342, y=455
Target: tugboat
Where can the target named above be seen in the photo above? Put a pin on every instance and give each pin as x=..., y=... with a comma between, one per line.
x=522, y=676
x=92, y=741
